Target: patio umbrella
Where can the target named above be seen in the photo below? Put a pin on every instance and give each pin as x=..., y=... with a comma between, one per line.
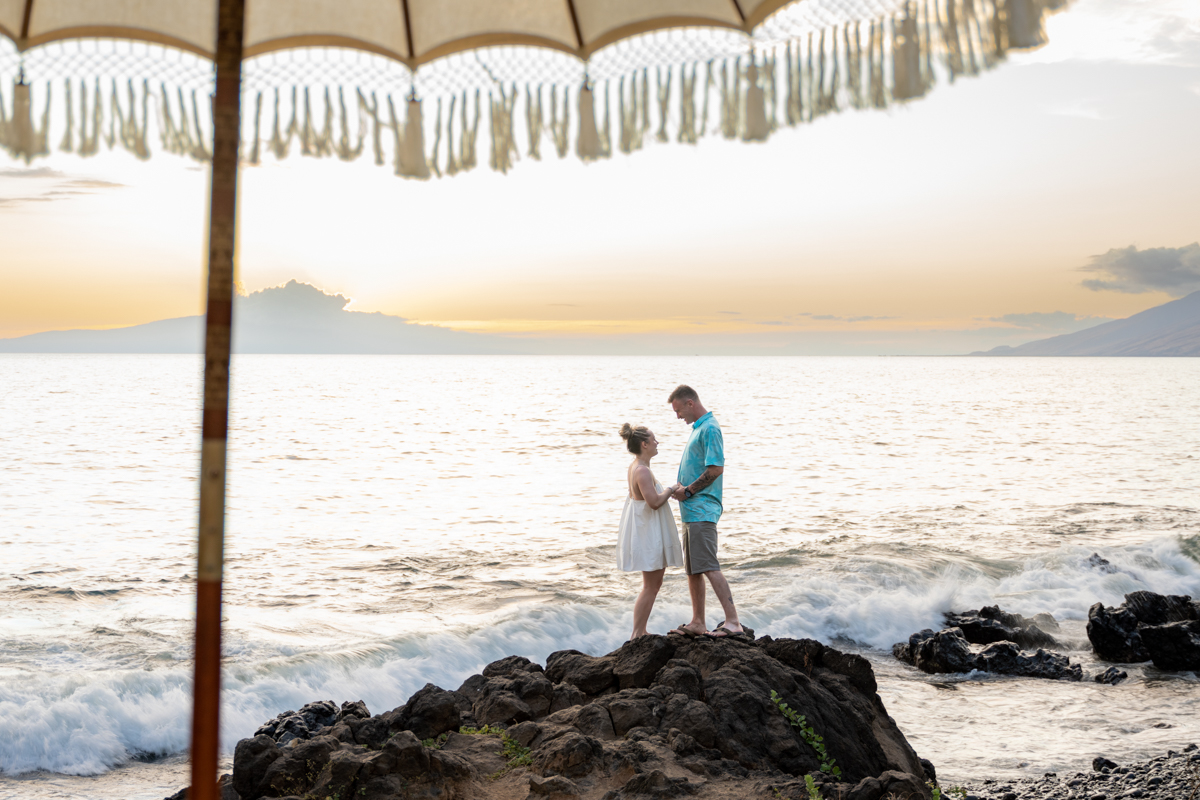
x=769, y=62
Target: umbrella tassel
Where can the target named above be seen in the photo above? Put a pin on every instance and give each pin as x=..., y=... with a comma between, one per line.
x=452, y=164
x=709, y=82
x=116, y=120
x=307, y=134
x=664, y=101
x=324, y=143
x=201, y=153
x=67, y=145
x=588, y=145
x=504, y=144
x=755, y=128
x=687, y=105
x=560, y=129
x=89, y=144
x=437, y=141
x=410, y=161
x=255, y=156
x=1024, y=18
x=906, y=58
x=470, y=135
x=623, y=115
x=533, y=121
x=853, y=65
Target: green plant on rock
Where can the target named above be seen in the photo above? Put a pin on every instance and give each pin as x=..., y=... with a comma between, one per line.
x=813, y=792
x=518, y=755
x=814, y=740
x=954, y=791
x=436, y=744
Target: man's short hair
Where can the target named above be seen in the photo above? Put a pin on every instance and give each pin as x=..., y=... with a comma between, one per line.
x=684, y=392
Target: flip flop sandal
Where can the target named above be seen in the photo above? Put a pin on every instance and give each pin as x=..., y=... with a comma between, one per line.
x=720, y=632
x=682, y=631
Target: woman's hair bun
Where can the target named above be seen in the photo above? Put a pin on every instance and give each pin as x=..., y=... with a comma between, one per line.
x=626, y=431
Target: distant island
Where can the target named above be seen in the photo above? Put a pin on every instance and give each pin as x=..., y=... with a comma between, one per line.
x=293, y=318
x=1172, y=329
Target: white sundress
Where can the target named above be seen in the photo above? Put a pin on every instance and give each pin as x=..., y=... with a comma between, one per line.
x=648, y=538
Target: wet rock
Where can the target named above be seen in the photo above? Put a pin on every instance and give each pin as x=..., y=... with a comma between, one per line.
x=1114, y=634
x=1174, y=645
x=1117, y=634
x=1100, y=564
x=1005, y=658
x=938, y=652
x=991, y=624
x=1111, y=676
x=591, y=674
x=948, y=651
x=1100, y=763
x=637, y=662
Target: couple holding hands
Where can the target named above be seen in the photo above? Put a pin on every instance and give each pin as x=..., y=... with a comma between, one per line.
x=648, y=540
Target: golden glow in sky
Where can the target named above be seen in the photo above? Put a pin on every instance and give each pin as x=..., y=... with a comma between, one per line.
x=966, y=211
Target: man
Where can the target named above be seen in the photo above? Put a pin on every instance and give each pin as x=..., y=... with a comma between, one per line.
x=700, y=508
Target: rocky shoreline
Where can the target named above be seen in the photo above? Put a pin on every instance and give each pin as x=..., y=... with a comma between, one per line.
x=663, y=716
x=1174, y=776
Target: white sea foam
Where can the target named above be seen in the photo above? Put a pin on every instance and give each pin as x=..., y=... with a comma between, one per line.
x=86, y=723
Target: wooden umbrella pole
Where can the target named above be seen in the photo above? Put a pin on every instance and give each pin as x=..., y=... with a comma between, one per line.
x=222, y=229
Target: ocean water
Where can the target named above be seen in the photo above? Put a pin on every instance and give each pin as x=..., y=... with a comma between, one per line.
x=395, y=520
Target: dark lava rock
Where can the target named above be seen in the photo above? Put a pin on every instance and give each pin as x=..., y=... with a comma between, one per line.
x=507, y=666
x=591, y=674
x=949, y=651
x=636, y=664
x=302, y=724
x=1100, y=763
x=429, y=713
x=991, y=624
x=1174, y=645
x=656, y=784
x=1112, y=676
x=702, y=705
x=1117, y=633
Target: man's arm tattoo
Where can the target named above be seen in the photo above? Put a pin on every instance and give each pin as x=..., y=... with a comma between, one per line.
x=703, y=482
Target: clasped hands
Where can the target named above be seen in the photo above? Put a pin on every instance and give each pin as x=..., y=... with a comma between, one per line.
x=677, y=492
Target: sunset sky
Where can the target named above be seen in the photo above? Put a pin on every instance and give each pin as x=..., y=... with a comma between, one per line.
x=1059, y=189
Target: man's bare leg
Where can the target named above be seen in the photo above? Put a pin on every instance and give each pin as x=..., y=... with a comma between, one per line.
x=696, y=589
x=724, y=595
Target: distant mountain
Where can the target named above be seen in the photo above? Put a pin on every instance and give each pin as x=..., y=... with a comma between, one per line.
x=1172, y=329
x=294, y=318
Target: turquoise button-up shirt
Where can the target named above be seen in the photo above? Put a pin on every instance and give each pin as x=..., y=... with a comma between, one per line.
x=705, y=447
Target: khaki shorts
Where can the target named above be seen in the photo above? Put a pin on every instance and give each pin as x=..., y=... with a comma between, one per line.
x=700, y=547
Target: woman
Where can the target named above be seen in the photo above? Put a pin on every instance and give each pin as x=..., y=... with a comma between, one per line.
x=648, y=539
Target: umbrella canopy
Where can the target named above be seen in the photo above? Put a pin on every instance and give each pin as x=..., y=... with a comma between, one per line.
x=769, y=61
x=411, y=83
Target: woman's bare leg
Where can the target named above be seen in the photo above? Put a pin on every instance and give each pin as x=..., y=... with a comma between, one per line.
x=651, y=583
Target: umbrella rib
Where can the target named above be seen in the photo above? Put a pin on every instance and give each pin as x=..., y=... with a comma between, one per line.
x=25, y=19
x=575, y=24
x=738, y=8
x=408, y=29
